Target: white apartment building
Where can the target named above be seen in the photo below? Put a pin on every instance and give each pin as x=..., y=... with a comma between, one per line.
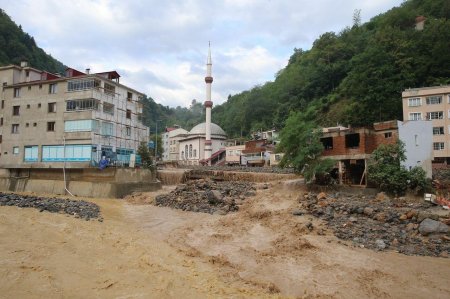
x=76, y=118
x=432, y=104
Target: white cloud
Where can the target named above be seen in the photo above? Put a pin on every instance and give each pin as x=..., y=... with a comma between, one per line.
x=160, y=47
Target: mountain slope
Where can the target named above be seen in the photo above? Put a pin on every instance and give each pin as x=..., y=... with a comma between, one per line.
x=352, y=77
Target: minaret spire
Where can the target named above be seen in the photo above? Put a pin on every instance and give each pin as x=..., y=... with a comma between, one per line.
x=208, y=106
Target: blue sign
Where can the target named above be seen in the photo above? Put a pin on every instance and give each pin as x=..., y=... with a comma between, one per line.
x=151, y=144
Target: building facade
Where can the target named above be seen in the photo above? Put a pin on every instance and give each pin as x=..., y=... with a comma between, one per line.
x=49, y=119
x=171, y=143
x=431, y=104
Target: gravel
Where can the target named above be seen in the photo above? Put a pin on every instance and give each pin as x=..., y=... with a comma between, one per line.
x=381, y=224
x=207, y=196
x=78, y=208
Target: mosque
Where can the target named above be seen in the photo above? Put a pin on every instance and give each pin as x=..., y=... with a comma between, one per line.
x=205, y=143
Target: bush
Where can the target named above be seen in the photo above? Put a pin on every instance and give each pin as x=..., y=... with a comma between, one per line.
x=387, y=173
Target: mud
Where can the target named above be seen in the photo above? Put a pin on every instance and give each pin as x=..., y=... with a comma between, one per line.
x=144, y=251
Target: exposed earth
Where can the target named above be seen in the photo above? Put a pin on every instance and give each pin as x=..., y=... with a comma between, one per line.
x=269, y=246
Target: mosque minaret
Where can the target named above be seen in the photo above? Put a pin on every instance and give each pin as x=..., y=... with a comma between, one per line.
x=208, y=106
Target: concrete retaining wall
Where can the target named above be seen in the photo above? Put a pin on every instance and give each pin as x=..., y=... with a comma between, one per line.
x=91, y=182
x=173, y=177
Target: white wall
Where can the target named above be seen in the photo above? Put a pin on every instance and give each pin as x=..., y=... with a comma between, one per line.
x=418, y=139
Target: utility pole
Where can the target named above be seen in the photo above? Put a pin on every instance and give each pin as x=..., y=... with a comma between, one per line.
x=156, y=140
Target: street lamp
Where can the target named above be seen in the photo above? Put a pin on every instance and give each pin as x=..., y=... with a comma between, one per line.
x=156, y=140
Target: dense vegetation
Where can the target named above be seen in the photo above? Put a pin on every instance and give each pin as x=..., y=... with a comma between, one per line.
x=16, y=45
x=353, y=77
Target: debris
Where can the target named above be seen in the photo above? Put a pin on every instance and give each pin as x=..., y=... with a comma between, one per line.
x=207, y=196
x=78, y=208
x=366, y=220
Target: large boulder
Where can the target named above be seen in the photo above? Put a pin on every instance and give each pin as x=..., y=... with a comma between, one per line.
x=430, y=226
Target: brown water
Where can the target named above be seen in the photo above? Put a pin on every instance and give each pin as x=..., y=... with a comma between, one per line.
x=143, y=251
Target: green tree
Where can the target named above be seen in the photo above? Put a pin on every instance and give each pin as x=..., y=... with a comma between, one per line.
x=300, y=143
x=146, y=158
x=387, y=173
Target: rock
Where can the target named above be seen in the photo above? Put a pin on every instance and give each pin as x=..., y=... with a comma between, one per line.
x=380, y=217
x=403, y=217
x=429, y=226
x=381, y=196
x=298, y=212
x=368, y=211
x=321, y=196
x=395, y=243
x=380, y=244
x=411, y=226
x=353, y=219
x=309, y=226
x=411, y=214
x=444, y=254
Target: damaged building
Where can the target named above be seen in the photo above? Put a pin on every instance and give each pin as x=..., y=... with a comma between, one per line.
x=351, y=149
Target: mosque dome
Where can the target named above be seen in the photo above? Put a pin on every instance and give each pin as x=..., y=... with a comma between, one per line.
x=200, y=129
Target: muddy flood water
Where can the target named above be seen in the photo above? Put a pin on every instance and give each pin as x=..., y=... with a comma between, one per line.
x=144, y=251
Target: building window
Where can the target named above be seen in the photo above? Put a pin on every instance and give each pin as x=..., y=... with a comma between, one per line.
x=16, y=110
x=195, y=153
x=83, y=125
x=76, y=85
x=51, y=107
x=27, y=73
x=1, y=121
x=28, y=106
x=3, y=104
x=27, y=125
x=190, y=151
x=39, y=105
x=352, y=140
x=434, y=100
x=186, y=151
x=51, y=126
x=415, y=116
x=110, y=89
x=388, y=135
x=128, y=131
x=29, y=87
x=52, y=88
x=128, y=113
x=108, y=129
x=15, y=129
x=72, y=153
x=1, y=138
x=129, y=96
x=108, y=108
x=34, y=124
x=40, y=86
x=79, y=105
x=414, y=102
x=435, y=115
x=31, y=153
x=438, y=131
x=15, y=150
x=17, y=92
x=438, y=146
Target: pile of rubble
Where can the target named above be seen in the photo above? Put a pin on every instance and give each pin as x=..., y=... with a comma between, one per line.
x=412, y=228
x=207, y=196
x=77, y=208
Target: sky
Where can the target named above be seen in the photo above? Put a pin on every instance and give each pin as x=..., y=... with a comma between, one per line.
x=160, y=47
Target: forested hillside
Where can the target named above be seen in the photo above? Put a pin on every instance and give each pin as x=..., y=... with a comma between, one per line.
x=352, y=77
x=16, y=45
